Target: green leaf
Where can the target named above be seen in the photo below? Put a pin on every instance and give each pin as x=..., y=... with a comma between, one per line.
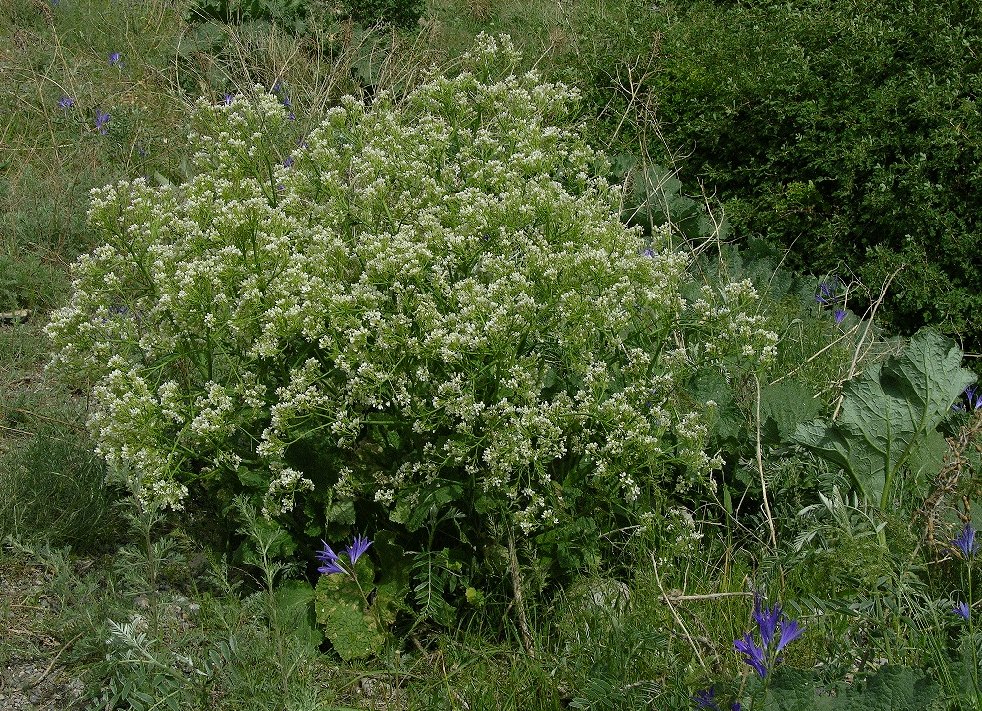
x=894, y=688
x=890, y=688
x=342, y=607
x=889, y=416
x=785, y=405
x=415, y=505
x=253, y=479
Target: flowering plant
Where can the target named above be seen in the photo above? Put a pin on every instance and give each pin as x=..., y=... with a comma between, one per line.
x=429, y=306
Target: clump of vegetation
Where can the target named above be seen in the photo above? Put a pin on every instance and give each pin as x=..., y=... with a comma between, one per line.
x=425, y=309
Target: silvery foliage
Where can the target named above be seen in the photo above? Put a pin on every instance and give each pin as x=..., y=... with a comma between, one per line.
x=444, y=282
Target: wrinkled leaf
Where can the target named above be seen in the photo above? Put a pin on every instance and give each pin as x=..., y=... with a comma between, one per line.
x=889, y=416
x=342, y=607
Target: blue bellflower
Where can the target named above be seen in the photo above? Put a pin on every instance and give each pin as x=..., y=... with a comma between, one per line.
x=101, y=119
x=966, y=542
x=963, y=610
x=331, y=561
x=357, y=547
x=767, y=620
x=771, y=622
x=706, y=699
x=826, y=293
x=66, y=102
x=790, y=631
x=115, y=59
x=752, y=654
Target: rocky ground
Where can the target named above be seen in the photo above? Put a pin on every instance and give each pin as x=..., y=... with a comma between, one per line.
x=31, y=677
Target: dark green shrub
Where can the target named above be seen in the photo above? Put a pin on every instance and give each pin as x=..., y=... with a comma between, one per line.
x=298, y=16
x=398, y=13
x=847, y=131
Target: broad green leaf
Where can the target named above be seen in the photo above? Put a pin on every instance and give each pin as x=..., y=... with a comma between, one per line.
x=342, y=607
x=784, y=406
x=889, y=688
x=415, y=505
x=889, y=416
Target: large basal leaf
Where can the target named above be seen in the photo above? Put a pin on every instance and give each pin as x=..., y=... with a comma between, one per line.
x=342, y=607
x=357, y=612
x=784, y=406
x=889, y=416
x=294, y=604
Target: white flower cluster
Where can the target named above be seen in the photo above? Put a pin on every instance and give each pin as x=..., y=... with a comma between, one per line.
x=282, y=492
x=431, y=291
x=728, y=317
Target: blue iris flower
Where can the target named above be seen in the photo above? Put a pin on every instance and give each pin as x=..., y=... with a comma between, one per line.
x=331, y=560
x=101, y=119
x=965, y=542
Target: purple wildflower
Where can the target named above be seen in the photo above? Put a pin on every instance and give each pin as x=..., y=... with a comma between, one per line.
x=288, y=163
x=974, y=398
x=706, y=699
x=228, y=99
x=767, y=620
x=753, y=655
x=66, y=102
x=330, y=560
x=357, y=547
x=965, y=542
x=839, y=315
x=963, y=610
x=825, y=293
x=101, y=119
x=790, y=631
x=115, y=59
x=770, y=620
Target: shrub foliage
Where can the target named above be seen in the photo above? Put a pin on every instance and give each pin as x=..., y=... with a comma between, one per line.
x=428, y=318
x=847, y=132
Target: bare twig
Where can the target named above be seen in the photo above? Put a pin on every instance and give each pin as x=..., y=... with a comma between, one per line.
x=708, y=596
x=54, y=661
x=675, y=614
x=760, y=470
x=862, y=339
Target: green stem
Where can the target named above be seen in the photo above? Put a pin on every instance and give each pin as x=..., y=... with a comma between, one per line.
x=971, y=641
